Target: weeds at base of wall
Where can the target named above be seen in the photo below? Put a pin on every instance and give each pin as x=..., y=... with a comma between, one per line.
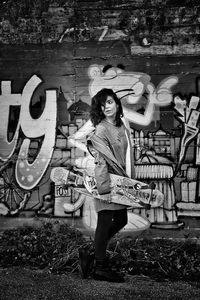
x=54, y=247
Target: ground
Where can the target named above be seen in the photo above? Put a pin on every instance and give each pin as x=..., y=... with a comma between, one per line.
x=24, y=283
x=42, y=263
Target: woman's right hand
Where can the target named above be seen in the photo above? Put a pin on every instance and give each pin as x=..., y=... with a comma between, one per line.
x=106, y=198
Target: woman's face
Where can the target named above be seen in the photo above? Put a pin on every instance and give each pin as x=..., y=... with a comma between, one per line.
x=110, y=108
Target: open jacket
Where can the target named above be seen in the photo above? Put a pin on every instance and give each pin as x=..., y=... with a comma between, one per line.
x=102, y=145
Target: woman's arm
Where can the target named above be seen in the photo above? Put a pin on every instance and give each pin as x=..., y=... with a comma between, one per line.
x=101, y=174
x=101, y=167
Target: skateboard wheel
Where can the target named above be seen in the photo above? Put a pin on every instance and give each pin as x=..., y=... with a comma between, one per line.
x=137, y=186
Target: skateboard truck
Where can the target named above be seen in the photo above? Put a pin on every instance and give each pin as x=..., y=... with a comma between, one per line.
x=152, y=186
x=147, y=206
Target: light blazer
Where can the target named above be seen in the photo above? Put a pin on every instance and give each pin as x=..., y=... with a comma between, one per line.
x=104, y=151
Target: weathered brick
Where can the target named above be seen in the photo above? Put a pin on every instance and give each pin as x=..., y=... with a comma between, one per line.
x=42, y=22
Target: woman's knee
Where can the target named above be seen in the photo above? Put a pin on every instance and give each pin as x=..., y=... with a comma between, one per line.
x=121, y=218
x=124, y=218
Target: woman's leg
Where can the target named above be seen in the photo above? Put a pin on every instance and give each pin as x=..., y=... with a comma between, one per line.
x=102, y=233
x=120, y=219
x=108, y=224
x=105, y=226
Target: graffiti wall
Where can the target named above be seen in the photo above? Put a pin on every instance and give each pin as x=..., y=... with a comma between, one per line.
x=45, y=121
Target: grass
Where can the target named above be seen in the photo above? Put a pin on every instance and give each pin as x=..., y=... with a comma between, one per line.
x=54, y=247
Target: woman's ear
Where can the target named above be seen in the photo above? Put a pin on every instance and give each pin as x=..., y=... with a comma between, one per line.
x=102, y=107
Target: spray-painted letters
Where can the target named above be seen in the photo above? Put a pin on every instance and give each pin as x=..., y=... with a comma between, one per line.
x=28, y=174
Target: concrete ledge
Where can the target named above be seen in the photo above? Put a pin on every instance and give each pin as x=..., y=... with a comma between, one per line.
x=186, y=49
x=190, y=234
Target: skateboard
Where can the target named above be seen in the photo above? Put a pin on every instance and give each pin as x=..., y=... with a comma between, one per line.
x=124, y=190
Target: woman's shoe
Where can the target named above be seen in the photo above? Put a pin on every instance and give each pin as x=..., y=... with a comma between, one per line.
x=104, y=273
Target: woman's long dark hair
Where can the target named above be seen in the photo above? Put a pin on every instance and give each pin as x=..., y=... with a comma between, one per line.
x=99, y=100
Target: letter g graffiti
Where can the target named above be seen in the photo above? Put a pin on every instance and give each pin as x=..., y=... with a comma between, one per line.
x=28, y=174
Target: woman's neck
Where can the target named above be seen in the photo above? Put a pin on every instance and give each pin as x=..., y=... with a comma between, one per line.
x=110, y=120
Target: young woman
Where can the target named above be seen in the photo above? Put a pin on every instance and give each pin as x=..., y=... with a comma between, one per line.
x=110, y=145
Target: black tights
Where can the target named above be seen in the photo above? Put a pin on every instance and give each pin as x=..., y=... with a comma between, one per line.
x=109, y=222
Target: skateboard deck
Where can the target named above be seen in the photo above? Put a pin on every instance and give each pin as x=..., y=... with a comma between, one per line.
x=124, y=190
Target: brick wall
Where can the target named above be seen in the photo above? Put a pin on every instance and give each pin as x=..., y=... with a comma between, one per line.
x=60, y=40
x=146, y=26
